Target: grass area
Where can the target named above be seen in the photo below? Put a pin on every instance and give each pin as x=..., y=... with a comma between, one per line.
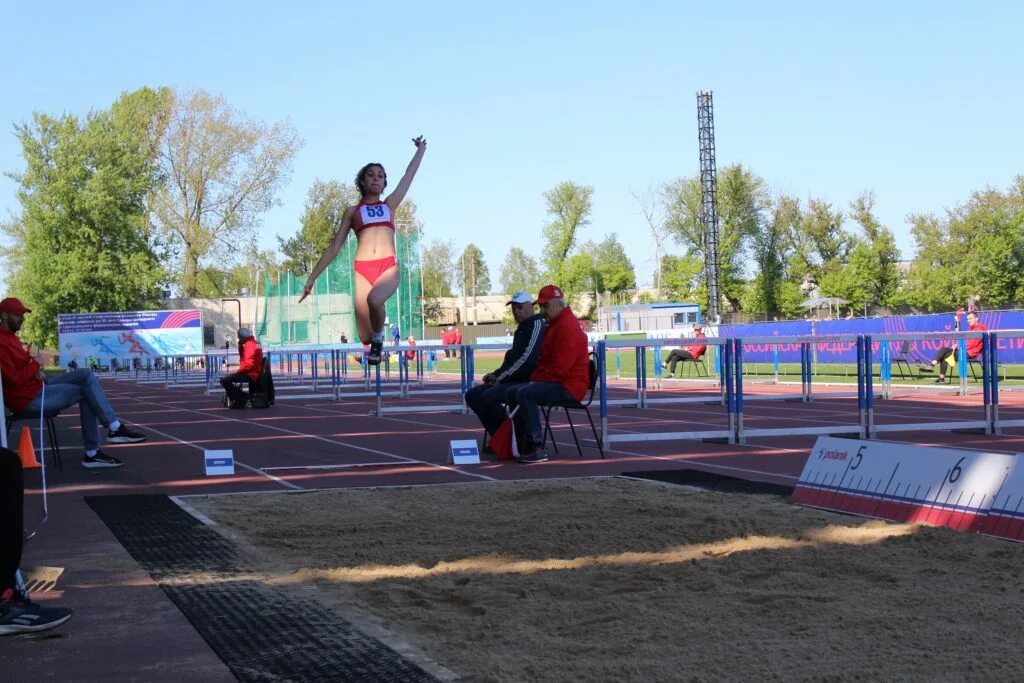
x=788, y=372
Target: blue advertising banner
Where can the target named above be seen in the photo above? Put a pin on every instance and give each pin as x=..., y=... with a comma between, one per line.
x=133, y=333
x=1011, y=347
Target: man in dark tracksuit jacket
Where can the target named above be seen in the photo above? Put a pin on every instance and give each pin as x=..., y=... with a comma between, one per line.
x=485, y=399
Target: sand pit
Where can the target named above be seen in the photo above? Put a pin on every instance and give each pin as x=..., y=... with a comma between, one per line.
x=616, y=579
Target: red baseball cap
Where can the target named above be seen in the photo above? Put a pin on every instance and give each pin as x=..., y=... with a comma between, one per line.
x=12, y=305
x=547, y=293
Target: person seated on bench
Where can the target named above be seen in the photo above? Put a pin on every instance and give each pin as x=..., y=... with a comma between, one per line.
x=974, y=347
x=23, y=380
x=18, y=614
x=249, y=366
x=690, y=353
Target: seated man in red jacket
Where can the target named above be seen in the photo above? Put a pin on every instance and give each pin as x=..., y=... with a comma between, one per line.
x=690, y=353
x=250, y=365
x=974, y=347
x=23, y=381
x=562, y=372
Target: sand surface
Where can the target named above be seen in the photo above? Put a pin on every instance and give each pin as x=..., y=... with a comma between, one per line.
x=615, y=579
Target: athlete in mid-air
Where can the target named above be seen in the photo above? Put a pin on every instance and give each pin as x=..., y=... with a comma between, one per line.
x=373, y=222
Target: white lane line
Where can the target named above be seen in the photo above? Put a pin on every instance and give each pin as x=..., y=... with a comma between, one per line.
x=315, y=437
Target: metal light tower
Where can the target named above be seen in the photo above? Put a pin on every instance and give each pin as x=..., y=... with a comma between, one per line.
x=708, y=212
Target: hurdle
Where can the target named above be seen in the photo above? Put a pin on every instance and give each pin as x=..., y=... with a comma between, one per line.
x=405, y=391
x=728, y=435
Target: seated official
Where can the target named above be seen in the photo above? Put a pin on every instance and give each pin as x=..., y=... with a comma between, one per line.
x=250, y=365
x=18, y=614
x=23, y=380
x=686, y=353
x=562, y=372
x=974, y=349
x=486, y=399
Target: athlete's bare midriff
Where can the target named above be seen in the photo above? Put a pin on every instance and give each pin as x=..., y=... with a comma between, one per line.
x=375, y=242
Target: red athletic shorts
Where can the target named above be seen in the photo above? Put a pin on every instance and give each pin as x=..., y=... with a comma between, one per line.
x=372, y=270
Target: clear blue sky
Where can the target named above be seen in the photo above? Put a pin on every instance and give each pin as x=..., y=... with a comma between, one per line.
x=921, y=102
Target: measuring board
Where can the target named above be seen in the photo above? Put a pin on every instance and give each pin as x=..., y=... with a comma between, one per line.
x=1005, y=518
x=903, y=483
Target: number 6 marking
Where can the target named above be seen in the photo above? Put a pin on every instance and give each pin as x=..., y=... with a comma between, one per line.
x=955, y=473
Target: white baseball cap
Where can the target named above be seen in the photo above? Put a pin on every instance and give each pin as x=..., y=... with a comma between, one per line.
x=520, y=297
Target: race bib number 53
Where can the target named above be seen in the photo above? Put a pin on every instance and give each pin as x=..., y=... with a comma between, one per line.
x=375, y=213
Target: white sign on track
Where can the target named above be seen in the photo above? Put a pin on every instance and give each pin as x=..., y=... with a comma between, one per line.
x=904, y=483
x=1005, y=518
x=219, y=463
x=464, y=452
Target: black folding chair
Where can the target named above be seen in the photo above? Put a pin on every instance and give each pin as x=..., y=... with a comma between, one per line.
x=258, y=394
x=695, y=367
x=51, y=432
x=546, y=409
x=903, y=359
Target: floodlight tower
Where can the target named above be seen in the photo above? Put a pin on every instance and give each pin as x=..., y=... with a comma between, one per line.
x=708, y=210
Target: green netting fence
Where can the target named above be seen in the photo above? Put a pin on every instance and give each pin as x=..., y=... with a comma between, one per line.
x=328, y=313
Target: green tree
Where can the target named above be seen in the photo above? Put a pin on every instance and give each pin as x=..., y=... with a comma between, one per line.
x=519, y=272
x=569, y=205
x=82, y=242
x=222, y=173
x=326, y=203
x=683, y=278
x=614, y=269
x=471, y=270
x=742, y=200
x=873, y=260
x=438, y=269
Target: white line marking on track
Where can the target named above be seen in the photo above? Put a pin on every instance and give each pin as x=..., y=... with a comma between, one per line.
x=303, y=434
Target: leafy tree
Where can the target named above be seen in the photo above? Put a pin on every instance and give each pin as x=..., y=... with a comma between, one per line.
x=569, y=205
x=222, y=172
x=438, y=266
x=82, y=242
x=873, y=259
x=614, y=269
x=683, y=278
x=742, y=199
x=326, y=203
x=519, y=272
x=471, y=270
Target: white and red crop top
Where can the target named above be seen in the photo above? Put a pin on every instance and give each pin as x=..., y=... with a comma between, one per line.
x=372, y=215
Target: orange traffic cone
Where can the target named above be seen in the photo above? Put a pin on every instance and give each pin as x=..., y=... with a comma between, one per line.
x=26, y=451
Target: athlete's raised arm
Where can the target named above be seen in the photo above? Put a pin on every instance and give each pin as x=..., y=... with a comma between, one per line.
x=396, y=197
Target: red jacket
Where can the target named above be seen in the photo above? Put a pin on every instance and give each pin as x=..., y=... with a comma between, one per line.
x=697, y=351
x=19, y=369
x=251, y=362
x=563, y=355
x=974, y=345
x=457, y=336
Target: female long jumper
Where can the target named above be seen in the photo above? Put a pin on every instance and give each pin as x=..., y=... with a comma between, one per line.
x=373, y=222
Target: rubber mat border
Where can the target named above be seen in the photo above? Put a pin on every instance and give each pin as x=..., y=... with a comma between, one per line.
x=712, y=481
x=259, y=632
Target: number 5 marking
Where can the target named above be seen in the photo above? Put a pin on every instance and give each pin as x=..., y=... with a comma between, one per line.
x=857, y=458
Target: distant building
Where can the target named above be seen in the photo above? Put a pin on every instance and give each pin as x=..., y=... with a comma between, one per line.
x=647, y=317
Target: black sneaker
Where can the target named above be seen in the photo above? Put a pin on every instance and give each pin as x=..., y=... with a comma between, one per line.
x=925, y=368
x=124, y=435
x=375, y=352
x=18, y=614
x=536, y=456
x=101, y=460
x=940, y=380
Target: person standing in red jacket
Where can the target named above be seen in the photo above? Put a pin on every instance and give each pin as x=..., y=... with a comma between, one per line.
x=562, y=372
x=250, y=365
x=974, y=347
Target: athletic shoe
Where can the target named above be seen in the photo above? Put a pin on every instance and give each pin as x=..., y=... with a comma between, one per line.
x=669, y=376
x=101, y=460
x=375, y=352
x=529, y=459
x=124, y=435
x=940, y=380
x=925, y=368
x=18, y=614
